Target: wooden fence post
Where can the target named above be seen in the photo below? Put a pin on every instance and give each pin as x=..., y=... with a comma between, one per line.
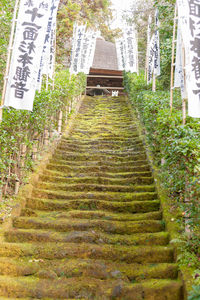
x=154, y=83
x=60, y=122
x=66, y=114
x=22, y=155
x=17, y=185
x=46, y=136
x=35, y=146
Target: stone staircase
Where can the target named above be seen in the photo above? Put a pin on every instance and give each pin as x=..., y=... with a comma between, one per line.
x=93, y=227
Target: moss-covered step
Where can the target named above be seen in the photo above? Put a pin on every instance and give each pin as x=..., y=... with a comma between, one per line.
x=105, y=158
x=88, y=288
x=93, y=205
x=104, y=144
x=99, y=174
x=102, y=168
x=103, y=163
x=95, y=187
x=87, y=144
x=95, y=195
x=92, y=227
x=87, y=236
x=99, y=269
x=95, y=214
x=129, y=254
x=114, y=227
x=98, y=180
x=106, y=134
x=103, y=153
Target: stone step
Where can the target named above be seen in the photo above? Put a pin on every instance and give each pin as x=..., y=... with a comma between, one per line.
x=101, y=141
x=100, y=146
x=97, y=127
x=128, y=254
x=106, y=136
x=128, y=157
x=95, y=215
x=95, y=187
x=106, y=133
x=108, y=196
x=96, y=163
x=83, y=169
x=98, y=180
x=107, y=175
x=97, y=147
x=93, y=205
x=92, y=227
x=93, y=161
x=95, y=236
x=98, y=150
x=100, y=269
x=89, y=289
x=67, y=225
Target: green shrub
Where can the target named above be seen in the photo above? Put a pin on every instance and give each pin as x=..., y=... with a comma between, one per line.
x=176, y=152
x=24, y=127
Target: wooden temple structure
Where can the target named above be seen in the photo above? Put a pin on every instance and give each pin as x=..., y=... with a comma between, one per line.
x=104, y=74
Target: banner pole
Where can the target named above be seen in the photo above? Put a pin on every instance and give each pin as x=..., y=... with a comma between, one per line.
x=154, y=83
x=54, y=67
x=184, y=100
x=14, y=20
x=147, y=52
x=173, y=56
x=137, y=54
x=47, y=82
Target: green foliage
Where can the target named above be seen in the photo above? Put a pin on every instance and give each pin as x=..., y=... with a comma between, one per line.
x=175, y=144
x=96, y=14
x=165, y=63
x=176, y=151
x=24, y=127
x=6, y=14
x=195, y=293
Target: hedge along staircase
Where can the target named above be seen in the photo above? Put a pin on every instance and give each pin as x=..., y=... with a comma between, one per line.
x=92, y=228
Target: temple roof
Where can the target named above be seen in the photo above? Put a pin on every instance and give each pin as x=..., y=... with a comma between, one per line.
x=105, y=56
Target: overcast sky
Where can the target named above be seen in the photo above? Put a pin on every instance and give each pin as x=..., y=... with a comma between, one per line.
x=119, y=6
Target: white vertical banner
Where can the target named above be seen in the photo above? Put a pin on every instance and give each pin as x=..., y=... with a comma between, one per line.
x=52, y=48
x=120, y=54
x=47, y=61
x=149, y=30
x=151, y=56
x=148, y=43
x=157, y=47
x=27, y=51
x=130, y=48
x=77, y=49
x=179, y=80
x=189, y=16
x=91, y=51
x=73, y=43
x=88, y=49
x=84, y=52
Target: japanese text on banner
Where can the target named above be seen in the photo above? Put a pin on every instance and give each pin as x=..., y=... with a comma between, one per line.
x=27, y=50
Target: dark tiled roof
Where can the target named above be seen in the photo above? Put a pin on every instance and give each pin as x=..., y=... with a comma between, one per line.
x=105, y=56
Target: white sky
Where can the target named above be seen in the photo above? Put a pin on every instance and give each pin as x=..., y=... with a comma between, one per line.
x=119, y=6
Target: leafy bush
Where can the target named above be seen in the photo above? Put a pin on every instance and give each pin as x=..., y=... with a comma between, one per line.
x=195, y=293
x=27, y=128
x=176, y=151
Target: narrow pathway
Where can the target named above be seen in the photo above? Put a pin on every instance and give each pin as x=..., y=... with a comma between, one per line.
x=93, y=227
